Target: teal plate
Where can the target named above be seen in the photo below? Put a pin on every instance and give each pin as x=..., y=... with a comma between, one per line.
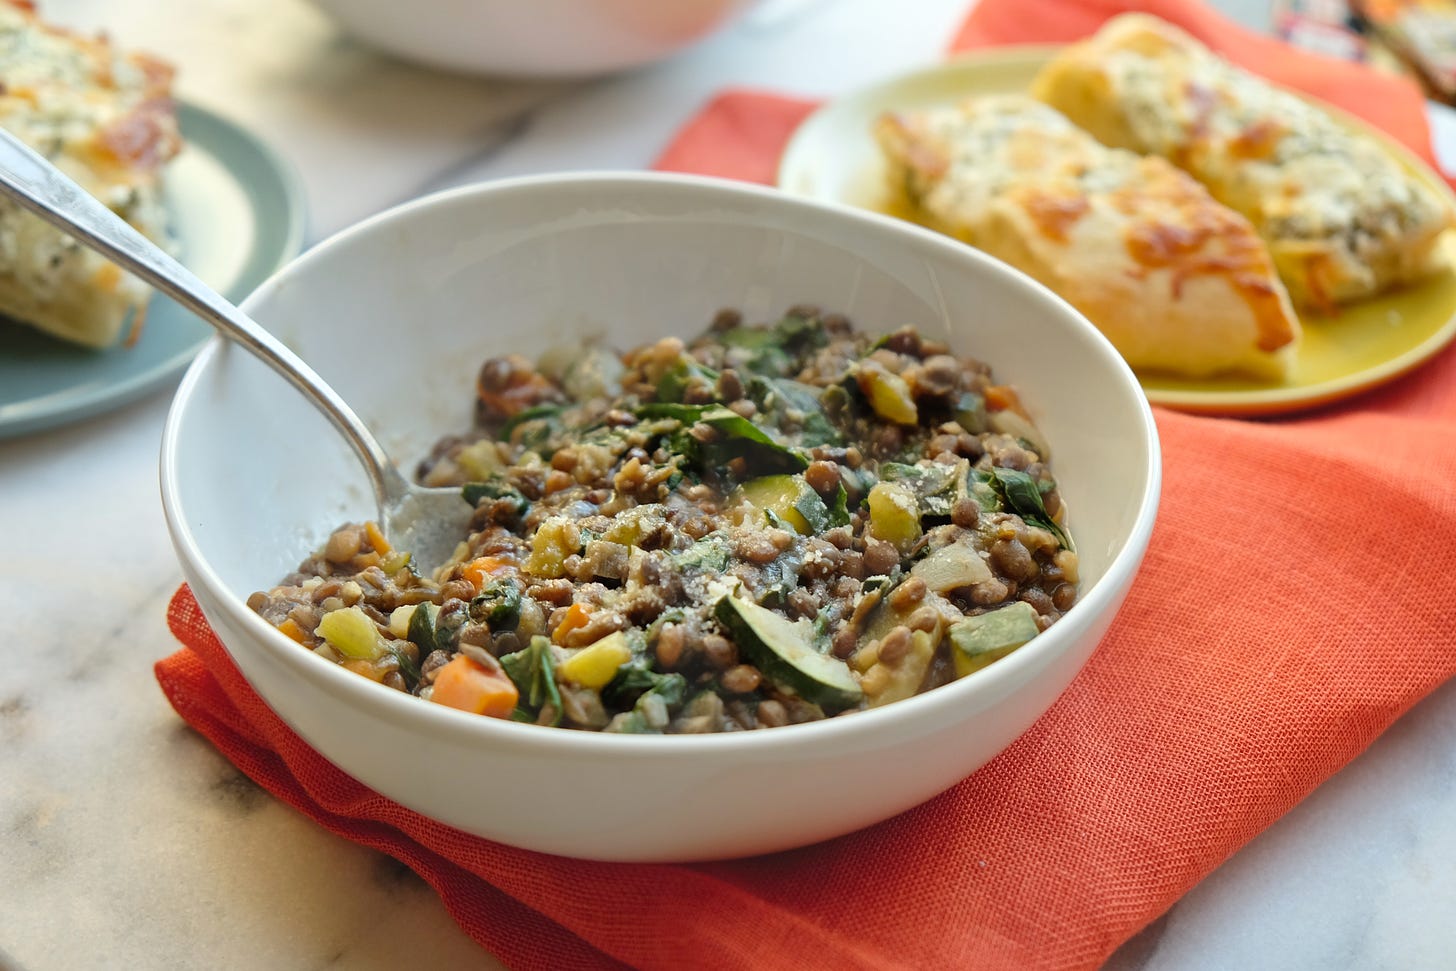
x=238, y=214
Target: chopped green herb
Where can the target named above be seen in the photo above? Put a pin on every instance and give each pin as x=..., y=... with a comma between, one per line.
x=535, y=678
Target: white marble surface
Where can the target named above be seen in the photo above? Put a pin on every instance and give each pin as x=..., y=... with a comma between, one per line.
x=128, y=842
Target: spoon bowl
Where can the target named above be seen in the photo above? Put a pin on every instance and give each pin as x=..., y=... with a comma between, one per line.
x=429, y=523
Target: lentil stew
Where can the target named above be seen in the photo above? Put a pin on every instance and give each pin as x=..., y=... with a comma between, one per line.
x=768, y=525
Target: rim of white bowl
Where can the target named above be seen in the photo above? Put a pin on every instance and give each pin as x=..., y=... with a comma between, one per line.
x=375, y=700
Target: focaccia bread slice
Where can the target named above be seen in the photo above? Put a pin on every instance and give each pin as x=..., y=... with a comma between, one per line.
x=107, y=120
x=1177, y=282
x=1343, y=219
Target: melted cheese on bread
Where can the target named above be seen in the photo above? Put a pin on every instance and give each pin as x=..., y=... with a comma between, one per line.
x=105, y=119
x=1342, y=218
x=1177, y=282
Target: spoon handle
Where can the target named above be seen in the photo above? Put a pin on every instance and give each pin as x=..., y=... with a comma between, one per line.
x=33, y=182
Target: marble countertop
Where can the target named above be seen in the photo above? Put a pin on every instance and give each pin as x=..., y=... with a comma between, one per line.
x=129, y=842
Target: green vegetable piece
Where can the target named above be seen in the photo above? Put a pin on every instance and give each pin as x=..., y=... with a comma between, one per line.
x=791, y=499
x=970, y=413
x=988, y=637
x=980, y=485
x=408, y=668
x=352, y=633
x=535, y=678
x=423, y=629
x=495, y=488
x=935, y=486
x=707, y=555
x=781, y=651
x=1024, y=498
x=536, y=426
x=737, y=438
x=637, y=678
x=498, y=604
x=838, y=506
x=676, y=379
x=792, y=406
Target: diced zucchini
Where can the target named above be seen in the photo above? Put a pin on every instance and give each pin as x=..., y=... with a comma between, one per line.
x=550, y=548
x=889, y=395
x=783, y=652
x=480, y=461
x=595, y=666
x=988, y=637
x=791, y=499
x=399, y=620
x=350, y=632
x=894, y=515
x=935, y=486
x=951, y=567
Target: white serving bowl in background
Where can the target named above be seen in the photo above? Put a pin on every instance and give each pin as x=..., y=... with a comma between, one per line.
x=399, y=312
x=532, y=38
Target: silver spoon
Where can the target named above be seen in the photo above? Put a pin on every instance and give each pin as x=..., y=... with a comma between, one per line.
x=428, y=523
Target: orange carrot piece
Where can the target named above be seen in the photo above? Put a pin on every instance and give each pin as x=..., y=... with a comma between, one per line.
x=478, y=570
x=364, y=667
x=291, y=628
x=376, y=539
x=467, y=684
x=576, y=616
x=1001, y=396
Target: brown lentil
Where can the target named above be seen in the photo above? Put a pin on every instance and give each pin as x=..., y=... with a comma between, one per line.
x=880, y=557
x=909, y=593
x=894, y=645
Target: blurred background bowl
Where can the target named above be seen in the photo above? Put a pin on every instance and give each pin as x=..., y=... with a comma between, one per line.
x=398, y=314
x=532, y=38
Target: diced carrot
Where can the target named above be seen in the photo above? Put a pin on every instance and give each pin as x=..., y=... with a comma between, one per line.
x=479, y=570
x=467, y=684
x=367, y=668
x=376, y=539
x=576, y=616
x=1002, y=397
x=291, y=628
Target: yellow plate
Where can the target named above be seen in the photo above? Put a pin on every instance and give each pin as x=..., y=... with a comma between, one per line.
x=833, y=157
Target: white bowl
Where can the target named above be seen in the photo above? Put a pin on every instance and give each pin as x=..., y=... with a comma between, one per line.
x=399, y=312
x=532, y=38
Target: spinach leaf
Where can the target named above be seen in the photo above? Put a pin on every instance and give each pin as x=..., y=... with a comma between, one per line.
x=1024, y=498
x=737, y=438
x=791, y=405
x=535, y=678
x=839, y=506
x=408, y=668
x=637, y=679
x=498, y=604
x=496, y=487
x=533, y=427
x=779, y=350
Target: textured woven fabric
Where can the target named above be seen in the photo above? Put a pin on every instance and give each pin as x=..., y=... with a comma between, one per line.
x=1294, y=602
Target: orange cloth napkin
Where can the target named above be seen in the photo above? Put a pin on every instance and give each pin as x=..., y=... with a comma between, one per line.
x=1296, y=599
